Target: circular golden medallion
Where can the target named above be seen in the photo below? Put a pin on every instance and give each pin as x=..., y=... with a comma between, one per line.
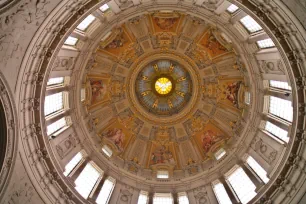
x=163, y=85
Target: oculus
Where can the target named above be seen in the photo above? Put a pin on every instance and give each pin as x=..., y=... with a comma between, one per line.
x=163, y=87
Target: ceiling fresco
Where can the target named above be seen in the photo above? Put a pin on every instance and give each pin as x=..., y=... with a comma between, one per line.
x=161, y=141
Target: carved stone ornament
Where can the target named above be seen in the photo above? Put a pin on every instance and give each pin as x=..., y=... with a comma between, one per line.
x=6, y=98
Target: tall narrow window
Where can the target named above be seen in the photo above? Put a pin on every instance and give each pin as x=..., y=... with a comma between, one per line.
x=53, y=103
x=143, y=197
x=280, y=85
x=250, y=24
x=281, y=108
x=83, y=94
x=86, y=22
x=265, y=43
x=277, y=131
x=55, y=81
x=57, y=125
x=104, y=8
x=87, y=180
x=220, y=153
x=73, y=163
x=107, y=150
x=182, y=198
x=106, y=191
x=162, y=198
x=162, y=174
x=71, y=41
x=247, y=97
x=232, y=8
x=221, y=193
x=242, y=185
x=257, y=169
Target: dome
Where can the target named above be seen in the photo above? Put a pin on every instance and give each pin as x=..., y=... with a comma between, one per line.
x=154, y=102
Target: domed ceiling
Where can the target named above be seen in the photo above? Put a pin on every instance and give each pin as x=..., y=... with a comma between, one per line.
x=152, y=103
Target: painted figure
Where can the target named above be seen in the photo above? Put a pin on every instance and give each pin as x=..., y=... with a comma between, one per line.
x=165, y=23
x=231, y=92
x=98, y=89
x=208, y=139
x=213, y=45
x=116, y=136
x=162, y=156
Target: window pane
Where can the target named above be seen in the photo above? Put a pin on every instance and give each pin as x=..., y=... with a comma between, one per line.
x=56, y=126
x=83, y=94
x=280, y=85
x=232, y=8
x=250, y=24
x=258, y=169
x=220, y=153
x=71, y=41
x=143, y=197
x=86, y=22
x=242, y=185
x=106, y=191
x=247, y=97
x=87, y=180
x=163, y=174
x=281, y=108
x=53, y=103
x=265, y=43
x=221, y=193
x=162, y=198
x=73, y=163
x=54, y=81
x=104, y=7
x=182, y=198
x=107, y=150
x=277, y=131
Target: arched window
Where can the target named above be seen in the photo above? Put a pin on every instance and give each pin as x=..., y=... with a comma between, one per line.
x=182, y=198
x=143, y=197
x=279, y=85
x=86, y=22
x=55, y=81
x=266, y=43
x=257, y=169
x=54, y=103
x=250, y=24
x=221, y=193
x=56, y=126
x=74, y=162
x=241, y=184
x=162, y=198
x=106, y=191
x=281, y=108
x=87, y=179
x=277, y=131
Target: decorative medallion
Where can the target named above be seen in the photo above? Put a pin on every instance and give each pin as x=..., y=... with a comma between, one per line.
x=163, y=87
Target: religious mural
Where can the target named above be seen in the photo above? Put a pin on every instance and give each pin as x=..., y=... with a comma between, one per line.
x=229, y=91
x=210, y=139
x=162, y=155
x=121, y=46
x=116, y=135
x=97, y=89
x=211, y=45
x=165, y=22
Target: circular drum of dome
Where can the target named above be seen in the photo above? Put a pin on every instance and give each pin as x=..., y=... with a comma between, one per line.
x=163, y=87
